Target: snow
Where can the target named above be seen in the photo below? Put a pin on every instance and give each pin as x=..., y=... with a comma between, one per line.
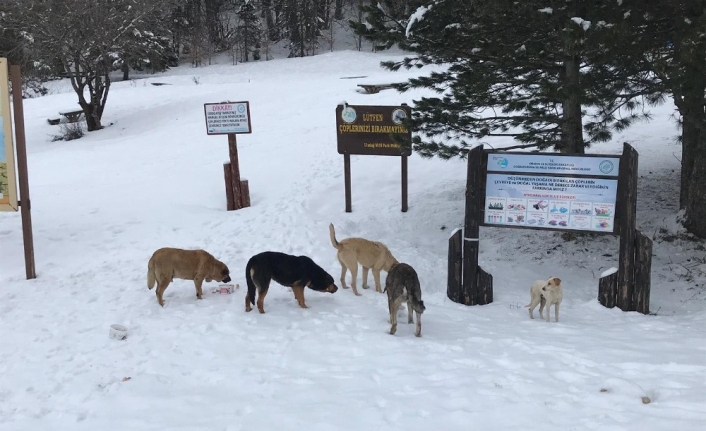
x=609, y=271
x=102, y=204
x=585, y=25
x=416, y=17
x=546, y=10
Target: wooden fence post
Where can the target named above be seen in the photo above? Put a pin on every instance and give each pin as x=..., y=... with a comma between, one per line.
x=454, y=285
x=627, y=199
x=235, y=171
x=245, y=193
x=473, y=293
x=22, y=171
x=643, y=276
x=228, y=175
x=608, y=290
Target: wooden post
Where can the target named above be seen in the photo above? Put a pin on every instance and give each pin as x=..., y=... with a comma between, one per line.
x=627, y=199
x=608, y=290
x=485, y=287
x=471, y=229
x=245, y=193
x=643, y=276
x=453, y=285
x=22, y=171
x=228, y=175
x=235, y=171
x=404, y=184
x=347, y=180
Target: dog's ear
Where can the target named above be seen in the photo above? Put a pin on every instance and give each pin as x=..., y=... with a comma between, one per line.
x=557, y=281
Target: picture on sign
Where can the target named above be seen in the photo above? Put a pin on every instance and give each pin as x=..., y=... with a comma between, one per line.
x=373, y=130
x=538, y=193
x=8, y=179
x=227, y=117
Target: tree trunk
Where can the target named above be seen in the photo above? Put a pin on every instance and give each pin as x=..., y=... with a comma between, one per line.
x=338, y=12
x=693, y=176
x=267, y=13
x=126, y=71
x=572, y=126
x=93, y=121
x=689, y=74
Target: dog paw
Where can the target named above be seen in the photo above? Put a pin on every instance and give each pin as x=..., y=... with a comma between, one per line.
x=358, y=294
x=366, y=287
x=344, y=286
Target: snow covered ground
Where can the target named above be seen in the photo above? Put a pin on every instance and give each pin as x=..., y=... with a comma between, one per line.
x=102, y=204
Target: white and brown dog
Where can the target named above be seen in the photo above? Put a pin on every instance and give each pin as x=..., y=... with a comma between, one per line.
x=546, y=292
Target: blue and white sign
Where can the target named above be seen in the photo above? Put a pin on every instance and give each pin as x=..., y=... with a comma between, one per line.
x=542, y=201
x=553, y=164
x=227, y=117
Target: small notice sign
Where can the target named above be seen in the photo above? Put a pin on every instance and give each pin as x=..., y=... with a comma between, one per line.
x=227, y=117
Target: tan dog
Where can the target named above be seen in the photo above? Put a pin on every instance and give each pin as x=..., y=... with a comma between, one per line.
x=370, y=254
x=166, y=264
x=546, y=292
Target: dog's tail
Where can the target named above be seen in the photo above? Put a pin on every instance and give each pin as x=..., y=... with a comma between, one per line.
x=416, y=296
x=332, y=233
x=248, y=280
x=151, y=279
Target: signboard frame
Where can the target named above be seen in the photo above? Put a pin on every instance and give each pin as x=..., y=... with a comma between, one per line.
x=373, y=135
x=368, y=130
x=7, y=151
x=555, y=169
x=224, y=130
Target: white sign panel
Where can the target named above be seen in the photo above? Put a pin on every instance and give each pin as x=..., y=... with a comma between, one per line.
x=550, y=202
x=227, y=117
x=553, y=164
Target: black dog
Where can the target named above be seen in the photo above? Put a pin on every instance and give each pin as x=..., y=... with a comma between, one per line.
x=296, y=272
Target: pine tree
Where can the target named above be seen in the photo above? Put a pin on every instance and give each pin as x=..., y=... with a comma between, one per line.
x=663, y=44
x=530, y=70
x=249, y=30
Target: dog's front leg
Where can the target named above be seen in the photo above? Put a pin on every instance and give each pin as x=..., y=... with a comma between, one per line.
x=418, y=332
x=549, y=309
x=556, y=312
x=198, y=281
x=299, y=295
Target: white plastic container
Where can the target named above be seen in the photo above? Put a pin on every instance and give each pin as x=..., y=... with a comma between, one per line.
x=118, y=332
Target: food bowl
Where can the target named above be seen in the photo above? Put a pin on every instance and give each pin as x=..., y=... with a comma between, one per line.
x=118, y=332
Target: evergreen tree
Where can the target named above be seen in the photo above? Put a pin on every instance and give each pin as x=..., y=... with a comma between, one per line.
x=249, y=30
x=663, y=44
x=530, y=70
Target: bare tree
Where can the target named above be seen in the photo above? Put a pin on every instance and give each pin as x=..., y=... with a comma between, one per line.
x=88, y=39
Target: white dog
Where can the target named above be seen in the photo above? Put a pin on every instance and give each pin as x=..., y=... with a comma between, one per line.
x=546, y=292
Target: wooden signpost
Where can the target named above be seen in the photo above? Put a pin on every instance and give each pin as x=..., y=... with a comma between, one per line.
x=8, y=177
x=550, y=191
x=231, y=118
x=377, y=131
